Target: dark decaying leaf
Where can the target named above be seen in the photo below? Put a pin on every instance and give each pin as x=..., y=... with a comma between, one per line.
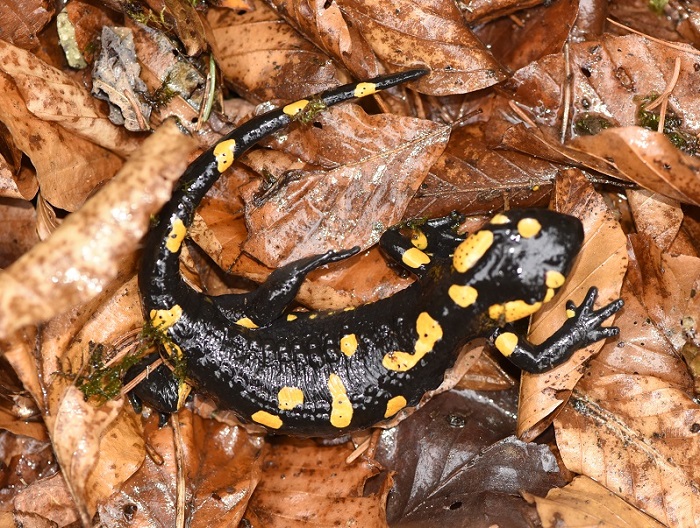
x=376, y=164
x=305, y=485
x=457, y=465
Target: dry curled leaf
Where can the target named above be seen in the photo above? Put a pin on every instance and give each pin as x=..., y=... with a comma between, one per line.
x=85, y=253
x=222, y=467
x=648, y=159
x=584, y=502
x=303, y=484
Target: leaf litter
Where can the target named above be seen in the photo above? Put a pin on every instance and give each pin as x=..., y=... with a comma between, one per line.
x=592, y=107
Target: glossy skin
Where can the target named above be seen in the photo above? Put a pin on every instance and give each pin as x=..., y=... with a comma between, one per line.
x=324, y=373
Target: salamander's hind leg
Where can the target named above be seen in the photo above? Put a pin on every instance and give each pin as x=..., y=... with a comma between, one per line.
x=160, y=389
x=270, y=300
x=414, y=245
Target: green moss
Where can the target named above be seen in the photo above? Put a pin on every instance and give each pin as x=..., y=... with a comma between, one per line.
x=657, y=6
x=310, y=111
x=100, y=381
x=104, y=383
x=683, y=141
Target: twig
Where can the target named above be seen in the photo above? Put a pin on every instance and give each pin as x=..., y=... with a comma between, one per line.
x=180, y=464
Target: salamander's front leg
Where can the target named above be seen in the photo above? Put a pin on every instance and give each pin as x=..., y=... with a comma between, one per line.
x=270, y=300
x=581, y=329
x=415, y=245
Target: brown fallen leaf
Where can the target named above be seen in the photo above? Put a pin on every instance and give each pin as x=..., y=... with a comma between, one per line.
x=632, y=423
x=304, y=485
x=405, y=34
x=19, y=234
x=68, y=168
x=377, y=163
x=245, y=42
x=472, y=178
x=531, y=34
x=584, y=502
x=657, y=216
x=47, y=500
x=327, y=28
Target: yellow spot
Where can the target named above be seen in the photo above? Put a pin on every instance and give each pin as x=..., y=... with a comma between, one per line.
x=183, y=391
x=394, y=405
x=570, y=313
x=293, y=109
x=348, y=344
x=246, y=322
x=506, y=343
x=500, y=218
x=548, y=296
x=313, y=316
x=529, y=227
x=164, y=319
x=429, y=332
x=471, y=250
x=415, y=258
x=463, y=295
x=176, y=236
x=223, y=152
x=348, y=309
x=554, y=279
x=267, y=419
x=341, y=408
x=172, y=350
x=419, y=239
x=290, y=397
x=512, y=310
x=291, y=317
x=365, y=88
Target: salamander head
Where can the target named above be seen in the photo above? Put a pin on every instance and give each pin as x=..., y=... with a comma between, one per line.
x=520, y=258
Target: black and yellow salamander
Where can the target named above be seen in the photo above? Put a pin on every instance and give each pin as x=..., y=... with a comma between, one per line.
x=323, y=373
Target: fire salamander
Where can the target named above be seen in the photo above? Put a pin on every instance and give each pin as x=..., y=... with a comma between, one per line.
x=329, y=373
